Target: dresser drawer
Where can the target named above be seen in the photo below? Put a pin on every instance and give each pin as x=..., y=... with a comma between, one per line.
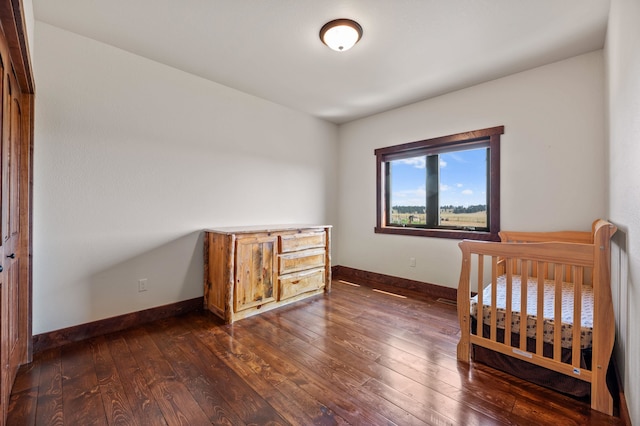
x=301, y=260
x=302, y=241
x=302, y=282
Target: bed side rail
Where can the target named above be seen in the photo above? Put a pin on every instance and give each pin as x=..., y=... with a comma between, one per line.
x=541, y=237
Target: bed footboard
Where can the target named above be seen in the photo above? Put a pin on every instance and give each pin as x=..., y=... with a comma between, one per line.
x=555, y=292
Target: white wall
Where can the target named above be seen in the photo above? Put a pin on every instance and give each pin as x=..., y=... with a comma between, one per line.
x=552, y=157
x=133, y=159
x=27, y=7
x=623, y=70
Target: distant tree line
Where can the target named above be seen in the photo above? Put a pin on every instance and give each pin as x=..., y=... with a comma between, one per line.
x=461, y=209
x=410, y=209
x=453, y=209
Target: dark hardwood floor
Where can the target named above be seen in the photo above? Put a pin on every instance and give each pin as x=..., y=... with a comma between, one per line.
x=354, y=357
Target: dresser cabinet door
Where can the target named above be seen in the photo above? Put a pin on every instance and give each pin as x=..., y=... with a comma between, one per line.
x=255, y=272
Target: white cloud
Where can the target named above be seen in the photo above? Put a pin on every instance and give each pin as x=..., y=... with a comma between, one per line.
x=444, y=187
x=467, y=192
x=459, y=185
x=443, y=163
x=417, y=162
x=410, y=197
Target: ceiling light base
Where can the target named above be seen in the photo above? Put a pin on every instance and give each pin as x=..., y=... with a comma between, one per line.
x=341, y=34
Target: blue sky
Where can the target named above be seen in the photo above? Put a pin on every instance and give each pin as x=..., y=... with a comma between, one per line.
x=462, y=179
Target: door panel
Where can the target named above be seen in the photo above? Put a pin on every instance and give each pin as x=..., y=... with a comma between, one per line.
x=15, y=132
x=255, y=271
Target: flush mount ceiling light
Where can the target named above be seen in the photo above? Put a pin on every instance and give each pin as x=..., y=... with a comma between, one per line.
x=341, y=34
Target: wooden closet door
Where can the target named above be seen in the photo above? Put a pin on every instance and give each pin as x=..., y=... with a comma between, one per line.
x=12, y=303
x=17, y=92
x=5, y=386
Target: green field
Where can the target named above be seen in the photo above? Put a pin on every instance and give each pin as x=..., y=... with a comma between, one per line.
x=477, y=219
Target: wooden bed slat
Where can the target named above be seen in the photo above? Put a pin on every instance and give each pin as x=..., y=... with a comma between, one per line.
x=577, y=316
x=524, y=278
x=557, y=313
x=494, y=298
x=509, y=301
x=479, y=328
x=540, y=309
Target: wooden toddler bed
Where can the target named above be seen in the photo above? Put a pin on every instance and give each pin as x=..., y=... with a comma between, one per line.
x=559, y=268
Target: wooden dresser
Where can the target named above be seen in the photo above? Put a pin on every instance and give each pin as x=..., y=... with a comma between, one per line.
x=248, y=270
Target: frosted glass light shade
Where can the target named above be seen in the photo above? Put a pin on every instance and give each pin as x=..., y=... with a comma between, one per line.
x=341, y=34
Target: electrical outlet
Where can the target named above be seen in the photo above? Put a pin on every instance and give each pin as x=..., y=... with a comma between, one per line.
x=142, y=284
x=412, y=262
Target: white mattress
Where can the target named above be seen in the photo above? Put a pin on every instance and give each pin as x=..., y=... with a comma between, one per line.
x=549, y=299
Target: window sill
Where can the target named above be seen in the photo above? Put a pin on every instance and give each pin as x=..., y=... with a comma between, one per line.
x=439, y=233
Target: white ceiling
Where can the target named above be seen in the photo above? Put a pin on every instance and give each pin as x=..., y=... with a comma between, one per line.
x=411, y=49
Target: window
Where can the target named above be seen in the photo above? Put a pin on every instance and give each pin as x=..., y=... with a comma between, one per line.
x=445, y=187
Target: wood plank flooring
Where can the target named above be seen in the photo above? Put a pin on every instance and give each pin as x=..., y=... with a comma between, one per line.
x=355, y=357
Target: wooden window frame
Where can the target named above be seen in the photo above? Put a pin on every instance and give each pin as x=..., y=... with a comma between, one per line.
x=489, y=137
